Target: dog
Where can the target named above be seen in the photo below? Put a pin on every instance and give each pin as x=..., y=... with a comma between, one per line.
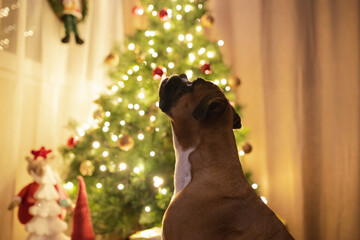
x=212, y=198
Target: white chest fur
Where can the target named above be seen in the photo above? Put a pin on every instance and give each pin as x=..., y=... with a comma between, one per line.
x=182, y=166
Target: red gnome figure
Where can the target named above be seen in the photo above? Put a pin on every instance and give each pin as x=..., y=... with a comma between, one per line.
x=82, y=226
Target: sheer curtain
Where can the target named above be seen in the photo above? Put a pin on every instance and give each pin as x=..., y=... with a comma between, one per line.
x=299, y=64
x=44, y=84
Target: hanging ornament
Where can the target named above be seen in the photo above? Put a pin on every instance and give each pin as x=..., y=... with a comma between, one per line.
x=246, y=148
x=72, y=141
x=205, y=68
x=207, y=20
x=98, y=114
x=126, y=143
x=234, y=82
x=86, y=168
x=138, y=11
x=163, y=14
x=112, y=60
x=159, y=73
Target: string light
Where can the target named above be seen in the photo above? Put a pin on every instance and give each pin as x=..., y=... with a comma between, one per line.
x=210, y=54
x=102, y=168
x=120, y=186
x=221, y=43
x=201, y=51
x=122, y=122
x=190, y=45
x=125, y=77
x=80, y=131
x=223, y=81
x=96, y=144
x=119, y=99
x=254, y=186
x=216, y=82
x=178, y=7
x=136, y=170
x=189, y=37
x=152, y=118
x=200, y=6
x=69, y=185
x=105, y=153
x=163, y=191
x=189, y=73
x=107, y=113
x=122, y=166
x=99, y=185
x=169, y=49
x=227, y=88
x=181, y=37
x=171, y=65
x=141, y=95
x=151, y=42
x=105, y=129
x=150, y=7
x=167, y=25
x=157, y=103
x=121, y=84
x=136, y=68
x=191, y=57
x=131, y=46
x=147, y=33
x=198, y=28
x=187, y=8
x=136, y=106
x=141, y=136
x=147, y=209
x=106, y=123
x=155, y=55
x=154, y=13
x=141, y=112
x=178, y=17
x=151, y=50
x=152, y=153
x=139, y=78
x=114, y=138
x=264, y=199
x=114, y=88
x=158, y=181
x=241, y=153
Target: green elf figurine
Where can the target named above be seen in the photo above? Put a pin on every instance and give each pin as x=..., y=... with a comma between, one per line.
x=71, y=12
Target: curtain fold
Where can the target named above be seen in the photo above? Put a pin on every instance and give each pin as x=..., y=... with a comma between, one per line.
x=299, y=64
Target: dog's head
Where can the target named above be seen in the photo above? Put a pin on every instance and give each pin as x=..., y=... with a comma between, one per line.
x=191, y=103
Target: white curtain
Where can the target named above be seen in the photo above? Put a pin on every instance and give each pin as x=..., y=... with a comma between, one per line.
x=44, y=84
x=299, y=64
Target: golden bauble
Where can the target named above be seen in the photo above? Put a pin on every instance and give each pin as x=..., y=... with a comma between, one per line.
x=126, y=142
x=207, y=20
x=86, y=168
x=247, y=148
x=112, y=60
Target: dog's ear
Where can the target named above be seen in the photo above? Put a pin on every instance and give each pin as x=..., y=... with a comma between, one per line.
x=236, y=120
x=210, y=107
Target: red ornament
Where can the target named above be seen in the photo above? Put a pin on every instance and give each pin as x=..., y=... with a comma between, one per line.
x=42, y=152
x=138, y=11
x=159, y=72
x=205, y=68
x=163, y=14
x=72, y=142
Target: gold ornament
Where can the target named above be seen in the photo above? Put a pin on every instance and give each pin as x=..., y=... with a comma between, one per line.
x=126, y=143
x=207, y=20
x=247, y=148
x=112, y=60
x=234, y=82
x=87, y=168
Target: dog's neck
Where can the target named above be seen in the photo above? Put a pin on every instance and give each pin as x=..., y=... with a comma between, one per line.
x=182, y=166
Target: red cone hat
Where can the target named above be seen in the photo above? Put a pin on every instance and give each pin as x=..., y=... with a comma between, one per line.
x=82, y=226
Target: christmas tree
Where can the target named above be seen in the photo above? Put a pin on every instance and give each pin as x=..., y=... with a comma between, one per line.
x=125, y=153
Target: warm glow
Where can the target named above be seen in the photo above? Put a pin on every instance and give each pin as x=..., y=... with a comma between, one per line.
x=131, y=46
x=122, y=122
x=105, y=154
x=107, y=113
x=69, y=185
x=141, y=136
x=120, y=186
x=96, y=144
x=122, y=166
x=220, y=43
x=147, y=209
x=171, y=65
x=181, y=37
x=103, y=168
x=167, y=25
x=99, y=185
x=152, y=153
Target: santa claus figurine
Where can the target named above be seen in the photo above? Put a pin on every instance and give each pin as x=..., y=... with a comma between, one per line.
x=42, y=174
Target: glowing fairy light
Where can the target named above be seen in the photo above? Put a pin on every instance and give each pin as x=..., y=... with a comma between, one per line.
x=154, y=13
x=152, y=33
x=187, y=8
x=167, y=25
x=69, y=185
x=96, y=144
x=136, y=106
x=152, y=153
x=192, y=57
x=114, y=88
x=158, y=181
x=210, y=54
x=105, y=129
x=131, y=46
x=153, y=65
x=139, y=78
x=125, y=77
x=189, y=37
x=254, y=186
x=130, y=106
x=147, y=209
x=105, y=153
x=151, y=42
x=130, y=71
x=155, y=55
x=241, y=153
x=169, y=49
x=178, y=7
x=136, y=68
x=198, y=28
x=114, y=138
x=122, y=166
x=107, y=113
x=102, y=168
x=163, y=191
x=216, y=82
x=189, y=73
x=99, y=185
x=227, y=88
x=171, y=65
x=120, y=186
x=122, y=122
x=181, y=37
x=136, y=170
x=119, y=99
x=141, y=95
x=80, y=131
x=141, y=112
x=201, y=51
x=141, y=136
x=151, y=50
x=106, y=124
x=221, y=43
x=148, y=33
x=223, y=81
x=121, y=84
x=150, y=7
x=200, y=6
x=152, y=118
x=157, y=103
x=157, y=129
x=178, y=17
x=190, y=45
x=202, y=62
x=264, y=199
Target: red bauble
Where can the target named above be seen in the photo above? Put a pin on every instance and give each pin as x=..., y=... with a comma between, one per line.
x=163, y=14
x=72, y=142
x=159, y=72
x=138, y=11
x=205, y=68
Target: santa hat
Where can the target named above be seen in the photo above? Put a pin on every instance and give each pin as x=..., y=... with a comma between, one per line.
x=82, y=226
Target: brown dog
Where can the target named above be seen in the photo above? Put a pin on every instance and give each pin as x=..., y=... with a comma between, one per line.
x=212, y=200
